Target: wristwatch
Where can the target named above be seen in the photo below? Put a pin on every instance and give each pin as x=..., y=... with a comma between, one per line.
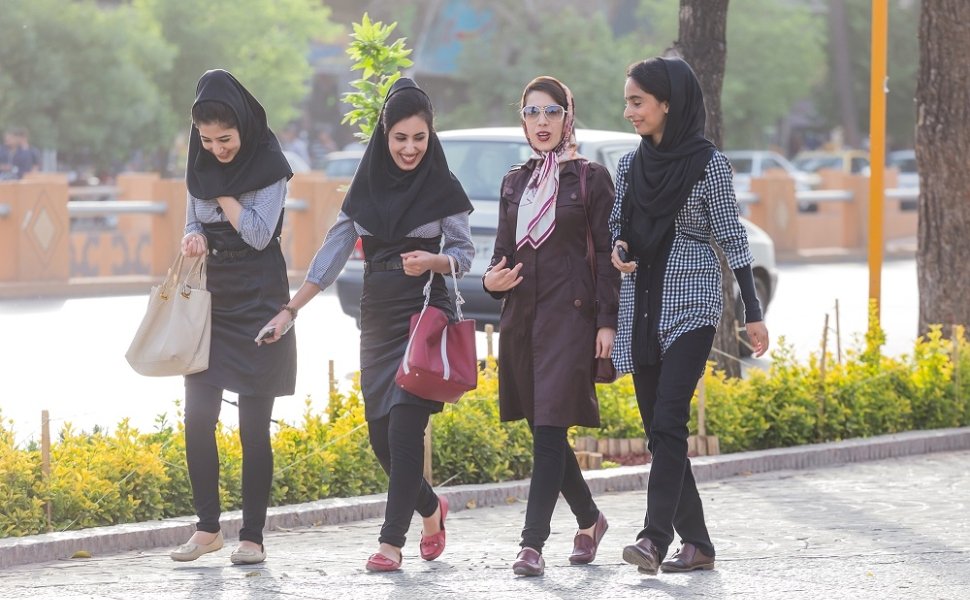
x=290, y=310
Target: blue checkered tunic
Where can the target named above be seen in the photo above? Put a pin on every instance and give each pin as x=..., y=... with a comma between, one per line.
x=692, y=281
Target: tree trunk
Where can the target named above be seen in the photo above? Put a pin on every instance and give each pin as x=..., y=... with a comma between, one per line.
x=703, y=44
x=842, y=72
x=942, y=148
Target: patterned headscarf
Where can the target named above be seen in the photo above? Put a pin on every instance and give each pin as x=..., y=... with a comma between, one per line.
x=537, y=207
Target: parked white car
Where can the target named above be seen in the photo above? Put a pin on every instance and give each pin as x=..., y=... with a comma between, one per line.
x=480, y=158
x=755, y=163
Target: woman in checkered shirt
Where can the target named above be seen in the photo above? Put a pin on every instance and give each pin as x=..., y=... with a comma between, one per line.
x=673, y=194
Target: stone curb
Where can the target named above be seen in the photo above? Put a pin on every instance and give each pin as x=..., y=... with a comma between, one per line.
x=172, y=532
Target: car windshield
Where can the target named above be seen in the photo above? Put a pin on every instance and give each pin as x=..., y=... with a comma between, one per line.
x=480, y=165
x=814, y=163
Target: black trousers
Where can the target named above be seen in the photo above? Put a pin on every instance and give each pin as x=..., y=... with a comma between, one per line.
x=202, y=405
x=664, y=392
x=398, y=443
x=554, y=470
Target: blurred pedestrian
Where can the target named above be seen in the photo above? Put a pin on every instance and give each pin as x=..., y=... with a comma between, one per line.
x=557, y=316
x=674, y=193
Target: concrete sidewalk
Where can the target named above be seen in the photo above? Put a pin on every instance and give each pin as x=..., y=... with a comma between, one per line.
x=893, y=528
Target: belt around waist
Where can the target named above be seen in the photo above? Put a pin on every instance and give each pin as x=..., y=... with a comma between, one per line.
x=248, y=251
x=377, y=266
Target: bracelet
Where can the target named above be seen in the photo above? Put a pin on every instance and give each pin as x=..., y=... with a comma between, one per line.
x=290, y=310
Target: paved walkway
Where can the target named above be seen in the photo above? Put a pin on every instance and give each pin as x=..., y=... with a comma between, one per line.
x=896, y=528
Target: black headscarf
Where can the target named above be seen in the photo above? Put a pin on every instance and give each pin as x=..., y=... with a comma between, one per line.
x=661, y=177
x=389, y=202
x=259, y=162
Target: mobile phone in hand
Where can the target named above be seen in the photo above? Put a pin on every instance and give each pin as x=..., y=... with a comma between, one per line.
x=621, y=254
x=267, y=333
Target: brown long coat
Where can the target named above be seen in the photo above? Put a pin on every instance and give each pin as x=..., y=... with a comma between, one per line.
x=549, y=321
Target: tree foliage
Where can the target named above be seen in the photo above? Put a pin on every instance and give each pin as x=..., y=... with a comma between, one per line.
x=89, y=91
x=522, y=43
x=380, y=65
x=99, y=81
x=776, y=55
x=903, y=64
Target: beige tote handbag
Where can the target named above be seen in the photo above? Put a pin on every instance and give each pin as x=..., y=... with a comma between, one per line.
x=173, y=338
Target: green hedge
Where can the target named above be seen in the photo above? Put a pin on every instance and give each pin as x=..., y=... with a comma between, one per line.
x=102, y=478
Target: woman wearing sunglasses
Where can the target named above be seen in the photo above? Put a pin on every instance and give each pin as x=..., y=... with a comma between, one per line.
x=556, y=315
x=674, y=192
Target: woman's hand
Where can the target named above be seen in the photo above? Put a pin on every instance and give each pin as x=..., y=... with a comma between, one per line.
x=194, y=244
x=418, y=262
x=758, y=336
x=622, y=267
x=604, y=342
x=277, y=323
x=502, y=279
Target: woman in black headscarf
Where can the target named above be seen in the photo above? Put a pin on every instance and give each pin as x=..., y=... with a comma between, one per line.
x=674, y=193
x=236, y=177
x=412, y=216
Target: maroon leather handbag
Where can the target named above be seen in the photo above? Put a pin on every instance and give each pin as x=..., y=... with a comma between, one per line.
x=603, y=369
x=439, y=362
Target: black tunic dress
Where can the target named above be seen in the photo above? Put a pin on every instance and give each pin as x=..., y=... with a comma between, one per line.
x=388, y=300
x=248, y=287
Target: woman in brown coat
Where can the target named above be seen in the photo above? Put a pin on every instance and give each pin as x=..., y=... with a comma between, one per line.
x=555, y=317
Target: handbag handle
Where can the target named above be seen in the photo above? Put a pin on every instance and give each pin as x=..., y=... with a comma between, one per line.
x=174, y=277
x=454, y=279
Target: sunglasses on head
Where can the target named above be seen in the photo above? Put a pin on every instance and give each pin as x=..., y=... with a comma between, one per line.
x=553, y=112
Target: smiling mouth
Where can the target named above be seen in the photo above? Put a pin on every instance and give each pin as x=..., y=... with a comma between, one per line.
x=409, y=159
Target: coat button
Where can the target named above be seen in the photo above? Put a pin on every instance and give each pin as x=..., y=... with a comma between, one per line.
x=573, y=196
x=508, y=191
x=578, y=303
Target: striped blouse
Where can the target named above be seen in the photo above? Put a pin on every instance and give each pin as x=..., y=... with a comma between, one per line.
x=692, y=282
x=339, y=244
x=260, y=213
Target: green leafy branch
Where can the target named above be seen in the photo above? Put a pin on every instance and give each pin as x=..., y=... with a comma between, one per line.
x=380, y=65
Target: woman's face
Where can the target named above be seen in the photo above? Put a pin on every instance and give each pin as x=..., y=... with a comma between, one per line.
x=544, y=126
x=222, y=142
x=647, y=114
x=408, y=142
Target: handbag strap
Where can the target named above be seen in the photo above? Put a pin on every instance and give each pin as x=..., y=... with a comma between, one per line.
x=454, y=279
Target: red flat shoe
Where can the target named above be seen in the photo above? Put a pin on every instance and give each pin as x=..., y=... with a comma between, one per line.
x=433, y=545
x=380, y=563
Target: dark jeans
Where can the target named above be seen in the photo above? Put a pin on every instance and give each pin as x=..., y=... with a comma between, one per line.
x=554, y=469
x=664, y=392
x=398, y=442
x=202, y=406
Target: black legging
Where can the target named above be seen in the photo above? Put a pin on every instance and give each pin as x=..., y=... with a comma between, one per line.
x=202, y=405
x=664, y=392
x=398, y=443
x=554, y=469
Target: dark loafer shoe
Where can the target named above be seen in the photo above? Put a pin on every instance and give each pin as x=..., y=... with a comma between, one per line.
x=644, y=555
x=529, y=562
x=688, y=558
x=584, y=546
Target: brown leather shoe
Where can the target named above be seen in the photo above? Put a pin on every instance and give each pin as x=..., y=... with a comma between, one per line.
x=529, y=562
x=687, y=558
x=584, y=546
x=644, y=555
